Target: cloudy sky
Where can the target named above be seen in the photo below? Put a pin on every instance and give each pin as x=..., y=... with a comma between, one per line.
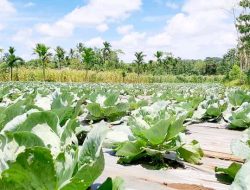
x=187, y=28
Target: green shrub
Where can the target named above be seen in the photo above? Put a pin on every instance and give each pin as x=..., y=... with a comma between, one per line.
x=235, y=73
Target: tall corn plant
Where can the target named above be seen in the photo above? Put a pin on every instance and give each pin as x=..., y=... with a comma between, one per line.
x=43, y=53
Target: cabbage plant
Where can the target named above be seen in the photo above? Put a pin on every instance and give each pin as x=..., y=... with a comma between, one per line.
x=39, y=154
x=238, y=174
x=107, y=108
x=157, y=137
x=238, y=97
x=240, y=118
x=211, y=109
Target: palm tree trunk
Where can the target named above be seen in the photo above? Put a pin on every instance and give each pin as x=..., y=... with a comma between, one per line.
x=59, y=64
x=11, y=73
x=138, y=74
x=138, y=70
x=17, y=73
x=44, y=72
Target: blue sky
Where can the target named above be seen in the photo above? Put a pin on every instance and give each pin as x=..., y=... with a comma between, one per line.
x=187, y=28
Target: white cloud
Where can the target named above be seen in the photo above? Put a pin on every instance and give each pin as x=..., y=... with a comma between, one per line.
x=29, y=4
x=7, y=8
x=125, y=29
x=192, y=6
x=102, y=27
x=25, y=37
x=59, y=29
x=203, y=28
x=25, y=41
x=159, y=40
x=2, y=26
x=132, y=39
x=199, y=29
x=95, y=42
x=96, y=13
x=172, y=5
x=129, y=44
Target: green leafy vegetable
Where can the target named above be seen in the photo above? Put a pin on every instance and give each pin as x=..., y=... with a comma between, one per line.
x=229, y=173
x=112, y=184
x=155, y=138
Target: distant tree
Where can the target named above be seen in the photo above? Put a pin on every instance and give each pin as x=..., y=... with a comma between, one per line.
x=71, y=53
x=159, y=55
x=79, y=47
x=168, y=62
x=43, y=53
x=211, y=65
x=67, y=60
x=98, y=59
x=88, y=56
x=139, y=61
x=106, y=51
x=243, y=26
x=123, y=76
x=198, y=67
x=60, y=56
x=235, y=73
x=228, y=60
x=12, y=61
x=115, y=57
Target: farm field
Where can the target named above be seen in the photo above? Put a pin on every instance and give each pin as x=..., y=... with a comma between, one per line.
x=125, y=95
x=126, y=136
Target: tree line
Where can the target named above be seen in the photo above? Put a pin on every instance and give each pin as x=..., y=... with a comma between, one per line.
x=103, y=59
x=164, y=63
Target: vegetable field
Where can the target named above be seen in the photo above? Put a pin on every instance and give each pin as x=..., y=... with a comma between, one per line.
x=57, y=136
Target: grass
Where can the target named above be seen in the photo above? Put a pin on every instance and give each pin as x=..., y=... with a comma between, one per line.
x=114, y=76
x=238, y=83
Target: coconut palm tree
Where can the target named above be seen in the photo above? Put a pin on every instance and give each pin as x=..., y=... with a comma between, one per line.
x=43, y=53
x=159, y=55
x=60, y=56
x=168, y=62
x=71, y=53
x=12, y=60
x=139, y=61
x=106, y=51
x=88, y=57
x=80, y=47
x=79, y=50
